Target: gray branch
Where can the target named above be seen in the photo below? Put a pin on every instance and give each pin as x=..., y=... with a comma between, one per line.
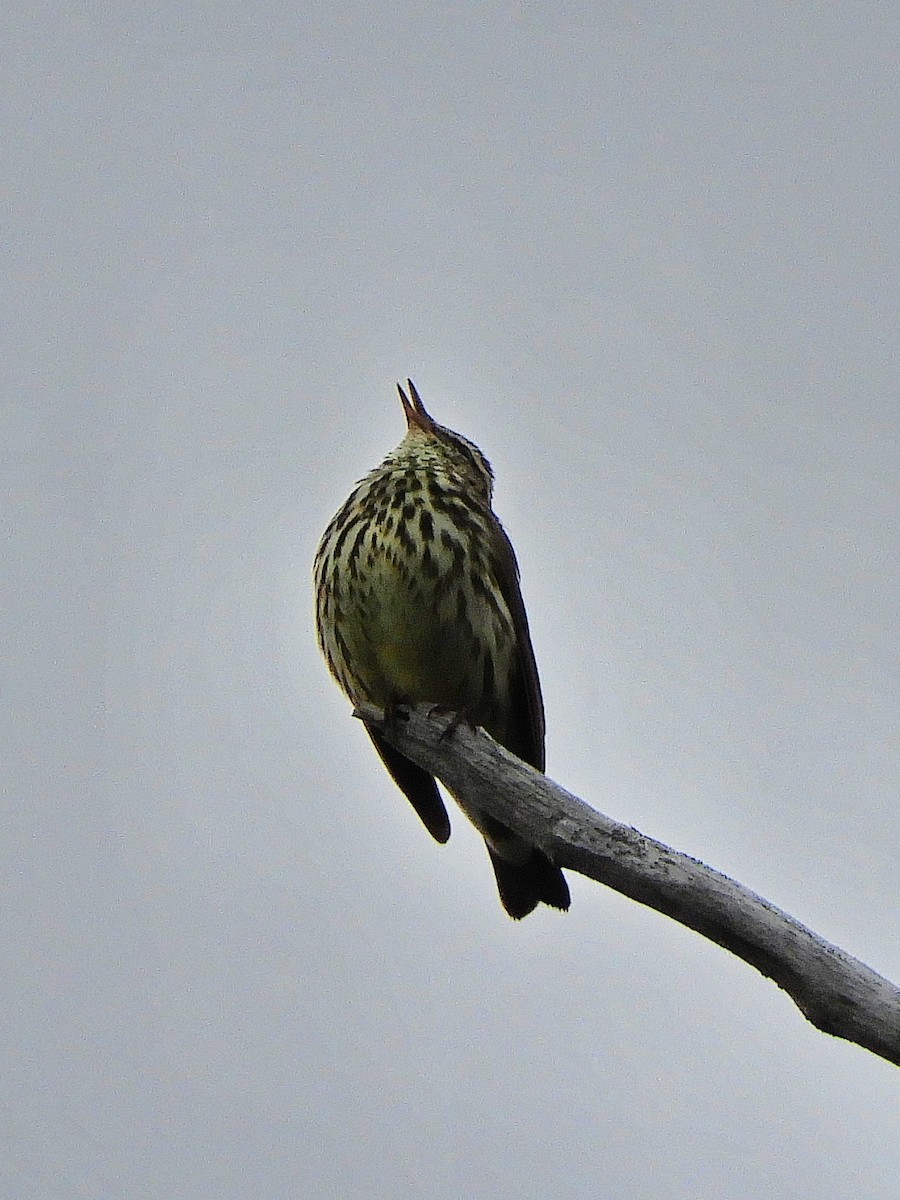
x=839, y=994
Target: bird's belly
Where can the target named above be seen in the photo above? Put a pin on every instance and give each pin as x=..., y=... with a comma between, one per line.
x=415, y=655
x=415, y=670
x=410, y=644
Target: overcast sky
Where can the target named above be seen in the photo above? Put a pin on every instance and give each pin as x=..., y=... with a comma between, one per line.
x=645, y=255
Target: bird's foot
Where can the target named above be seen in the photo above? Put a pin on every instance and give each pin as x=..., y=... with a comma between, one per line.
x=457, y=718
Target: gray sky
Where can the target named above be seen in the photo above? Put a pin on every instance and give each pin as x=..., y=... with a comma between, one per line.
x=644, y=255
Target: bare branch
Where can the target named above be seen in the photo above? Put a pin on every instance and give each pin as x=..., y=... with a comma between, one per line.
x=839, y=994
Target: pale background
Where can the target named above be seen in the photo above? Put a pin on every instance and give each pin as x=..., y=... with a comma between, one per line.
x=646, y=256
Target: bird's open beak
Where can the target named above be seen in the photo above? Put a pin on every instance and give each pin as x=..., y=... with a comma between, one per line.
x=414, y=409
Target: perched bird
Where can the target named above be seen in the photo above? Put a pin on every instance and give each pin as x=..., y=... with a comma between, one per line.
x=418, y=600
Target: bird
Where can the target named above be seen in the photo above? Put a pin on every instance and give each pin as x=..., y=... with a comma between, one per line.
x=418, y=601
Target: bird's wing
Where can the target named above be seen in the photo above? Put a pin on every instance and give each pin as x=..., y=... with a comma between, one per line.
x=525, y=720
x=417, y=785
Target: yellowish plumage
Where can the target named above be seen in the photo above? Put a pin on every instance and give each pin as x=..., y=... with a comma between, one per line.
x=417, y=600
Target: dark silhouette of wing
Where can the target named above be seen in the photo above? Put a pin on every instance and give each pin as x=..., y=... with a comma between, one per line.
x=524, y=720
x=536, y=880
x=417, y=785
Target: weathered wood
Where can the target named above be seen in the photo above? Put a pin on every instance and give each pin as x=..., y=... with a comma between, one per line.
x=839, y=994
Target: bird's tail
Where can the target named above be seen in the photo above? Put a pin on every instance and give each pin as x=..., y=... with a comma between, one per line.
x=525, y=885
